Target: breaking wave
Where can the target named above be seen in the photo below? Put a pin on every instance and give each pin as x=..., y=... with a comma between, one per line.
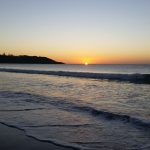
x=75, y=107
x=133, y=78
x=69, y=107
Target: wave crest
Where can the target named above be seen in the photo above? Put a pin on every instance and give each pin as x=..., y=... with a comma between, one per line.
x=133, y=78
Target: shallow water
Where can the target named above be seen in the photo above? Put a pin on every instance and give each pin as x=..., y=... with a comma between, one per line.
x=79, y=112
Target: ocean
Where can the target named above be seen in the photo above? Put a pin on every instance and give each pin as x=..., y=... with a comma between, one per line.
x=92, y=107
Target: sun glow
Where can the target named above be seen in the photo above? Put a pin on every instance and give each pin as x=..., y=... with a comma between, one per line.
x=86, y=63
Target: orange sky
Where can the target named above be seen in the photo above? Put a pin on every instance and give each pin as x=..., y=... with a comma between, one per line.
x=93, y=31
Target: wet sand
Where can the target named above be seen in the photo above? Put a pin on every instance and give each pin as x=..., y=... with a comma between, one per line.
x=14, y=139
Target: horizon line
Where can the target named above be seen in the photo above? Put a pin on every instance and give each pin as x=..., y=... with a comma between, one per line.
x=7, y=54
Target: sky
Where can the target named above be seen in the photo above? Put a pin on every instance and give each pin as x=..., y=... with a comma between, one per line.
x=77, y=31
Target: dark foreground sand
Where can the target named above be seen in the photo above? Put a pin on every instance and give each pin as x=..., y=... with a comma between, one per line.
x=14, y=139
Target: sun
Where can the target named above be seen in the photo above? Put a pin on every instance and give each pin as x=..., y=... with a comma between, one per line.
x=86, y=63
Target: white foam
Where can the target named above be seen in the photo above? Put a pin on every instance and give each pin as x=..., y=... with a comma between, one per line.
x=135, y=78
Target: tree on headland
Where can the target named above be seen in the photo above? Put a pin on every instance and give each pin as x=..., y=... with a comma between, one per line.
x=4, y=54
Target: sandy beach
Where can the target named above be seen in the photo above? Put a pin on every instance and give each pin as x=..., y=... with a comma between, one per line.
x=14, y=139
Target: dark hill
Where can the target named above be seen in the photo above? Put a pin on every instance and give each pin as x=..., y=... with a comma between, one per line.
x=23, y=59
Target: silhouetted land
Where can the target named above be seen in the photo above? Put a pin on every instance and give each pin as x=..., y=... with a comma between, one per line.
x=24, y=59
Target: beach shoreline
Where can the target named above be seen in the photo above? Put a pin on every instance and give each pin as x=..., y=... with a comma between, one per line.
x=12, y=138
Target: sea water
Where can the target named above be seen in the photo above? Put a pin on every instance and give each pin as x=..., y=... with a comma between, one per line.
x=85, y=107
